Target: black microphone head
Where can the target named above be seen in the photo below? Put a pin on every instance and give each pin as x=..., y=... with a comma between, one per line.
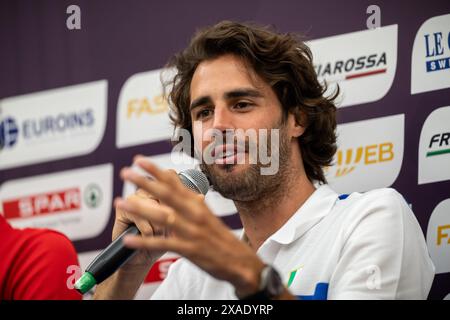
x=195, y=180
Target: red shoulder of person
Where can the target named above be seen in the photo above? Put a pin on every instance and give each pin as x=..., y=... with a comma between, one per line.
x=34, y=264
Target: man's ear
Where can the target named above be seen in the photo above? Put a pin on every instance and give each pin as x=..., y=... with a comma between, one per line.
x=299, y=125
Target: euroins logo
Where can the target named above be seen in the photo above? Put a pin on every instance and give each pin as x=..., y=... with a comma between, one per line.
x=439, y=144
x=48, y=126
x=352, y=68
x=9, y=133
x=57, y=124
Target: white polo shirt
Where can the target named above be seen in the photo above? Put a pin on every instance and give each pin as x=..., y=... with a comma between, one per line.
x=365, y=246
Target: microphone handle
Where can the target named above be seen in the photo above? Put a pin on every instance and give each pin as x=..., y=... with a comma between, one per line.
x=112, y=257
x=107, y=262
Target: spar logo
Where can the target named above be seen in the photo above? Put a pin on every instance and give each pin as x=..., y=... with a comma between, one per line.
x=67, y=200
x=75, y=202
x=430, y=68
x=142, y=111
x=9, y=133
x=349, y=159
x=92, y=195
x=434, y=147
x=362, y=63
x=369, y=155
x=52, y=124
x=42, y=204
x=438, y=236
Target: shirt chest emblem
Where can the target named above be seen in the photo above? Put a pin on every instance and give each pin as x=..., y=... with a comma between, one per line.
x=320, y=290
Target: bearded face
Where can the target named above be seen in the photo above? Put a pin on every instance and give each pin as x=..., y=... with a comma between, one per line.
x=227, y=96
x=244, y=180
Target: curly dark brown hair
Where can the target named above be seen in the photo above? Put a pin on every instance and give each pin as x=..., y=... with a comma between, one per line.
x=282, y=60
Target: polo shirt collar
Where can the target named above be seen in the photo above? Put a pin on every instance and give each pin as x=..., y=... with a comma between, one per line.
x=318, y=205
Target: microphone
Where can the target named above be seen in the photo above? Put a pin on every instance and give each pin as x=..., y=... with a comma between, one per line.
x=116, y=254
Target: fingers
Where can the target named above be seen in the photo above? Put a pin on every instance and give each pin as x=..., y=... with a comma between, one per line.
x=161, y=175
x=158, y=244
x=124, y=220
x=167, y=188
x=159, y=215
x=144, y=227
x=144, y=194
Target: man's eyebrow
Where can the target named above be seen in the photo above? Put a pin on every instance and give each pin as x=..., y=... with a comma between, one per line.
x=237, y=93
x=200, y=101
x=241, y=93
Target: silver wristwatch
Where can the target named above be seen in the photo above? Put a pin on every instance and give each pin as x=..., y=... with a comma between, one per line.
x=270, y=285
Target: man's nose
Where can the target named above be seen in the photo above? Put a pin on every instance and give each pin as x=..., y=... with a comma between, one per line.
x=223, y=119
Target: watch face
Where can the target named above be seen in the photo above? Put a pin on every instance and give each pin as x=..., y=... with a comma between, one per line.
x=271, y=285
x=274, y=284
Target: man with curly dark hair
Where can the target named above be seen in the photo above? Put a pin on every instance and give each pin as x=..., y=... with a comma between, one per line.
x=300, y=239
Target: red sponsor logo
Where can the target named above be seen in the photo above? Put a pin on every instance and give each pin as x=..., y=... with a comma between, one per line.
x=42, y=204
x=159, y=270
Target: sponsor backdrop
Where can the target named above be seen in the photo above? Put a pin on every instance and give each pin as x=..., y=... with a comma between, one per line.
x=77, y=105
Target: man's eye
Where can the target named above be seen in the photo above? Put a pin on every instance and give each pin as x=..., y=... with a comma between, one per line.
x=203, y=113
x=242, y=105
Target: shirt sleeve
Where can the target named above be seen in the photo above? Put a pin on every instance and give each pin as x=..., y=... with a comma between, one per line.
x=42, y=273
x=183, y=282
x=376, y=262
x=170, y=287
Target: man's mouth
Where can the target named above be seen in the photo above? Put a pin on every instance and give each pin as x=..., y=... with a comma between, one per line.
x=227, y=154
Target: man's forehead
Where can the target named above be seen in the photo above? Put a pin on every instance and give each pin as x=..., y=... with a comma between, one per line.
x=224, y=74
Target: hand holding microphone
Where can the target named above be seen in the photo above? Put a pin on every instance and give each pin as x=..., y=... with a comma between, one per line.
x=116, y=254
x=192, y=230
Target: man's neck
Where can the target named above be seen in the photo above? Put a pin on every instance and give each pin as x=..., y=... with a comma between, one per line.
x=263, y=217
